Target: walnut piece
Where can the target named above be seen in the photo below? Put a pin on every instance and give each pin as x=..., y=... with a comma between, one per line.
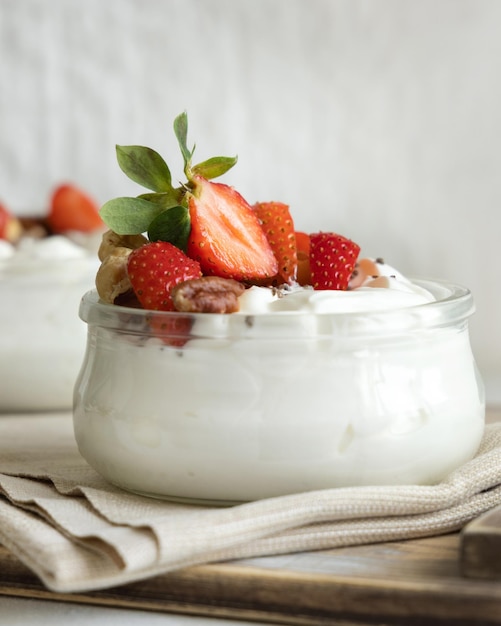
x=209, y=294
x=112, y=278
x=112, y=240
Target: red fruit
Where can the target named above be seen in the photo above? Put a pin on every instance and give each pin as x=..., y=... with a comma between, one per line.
x=4, y=220
x=173, y=330
x=303, y=275
x=72, y=209
x=302, y=242
x=332, y=259
x=154, y=269
x=226, y=236
x=277, y=224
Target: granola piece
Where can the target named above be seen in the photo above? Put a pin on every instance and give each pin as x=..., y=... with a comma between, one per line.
x=112, y=240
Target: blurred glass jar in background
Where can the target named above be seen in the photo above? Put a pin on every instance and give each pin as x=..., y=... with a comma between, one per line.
x=42, y=341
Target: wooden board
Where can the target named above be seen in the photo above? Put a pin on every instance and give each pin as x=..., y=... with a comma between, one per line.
x=481, y=547
x=480, y=540
x=412, y=582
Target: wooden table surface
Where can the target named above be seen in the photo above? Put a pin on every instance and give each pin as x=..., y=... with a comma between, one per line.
x=411, y=582
x=408, y=582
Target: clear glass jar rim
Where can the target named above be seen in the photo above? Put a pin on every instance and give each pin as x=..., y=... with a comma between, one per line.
x=454, y=304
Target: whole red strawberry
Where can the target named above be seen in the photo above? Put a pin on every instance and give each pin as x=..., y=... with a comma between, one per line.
x=332, y=259
x=226, y=236
x=154, y=269
x=73, y=209
x=278, y=226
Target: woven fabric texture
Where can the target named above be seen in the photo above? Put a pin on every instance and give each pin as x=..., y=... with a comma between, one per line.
x=79, y=533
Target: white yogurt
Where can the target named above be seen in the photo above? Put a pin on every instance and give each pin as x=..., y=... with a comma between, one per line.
x=400, y=293
x=286, y=396
x=42, y=342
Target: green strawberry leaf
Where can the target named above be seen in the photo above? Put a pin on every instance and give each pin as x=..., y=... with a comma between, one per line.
x=181, y=132
x=214, y=167
x=159, y=213
x=145, y=167
x=166, y=200
x=129, y=216
x=172, y=225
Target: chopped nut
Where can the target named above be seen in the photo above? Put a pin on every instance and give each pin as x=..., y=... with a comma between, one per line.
x=379, y=281
x=112, y=240
x=14, y=230
x=112, y=278
x=35, y=227
x=210, y=294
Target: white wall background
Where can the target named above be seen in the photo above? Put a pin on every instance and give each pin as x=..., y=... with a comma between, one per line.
x=380, y=119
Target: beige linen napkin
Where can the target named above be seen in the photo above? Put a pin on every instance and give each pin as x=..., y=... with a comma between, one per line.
x=79, y=533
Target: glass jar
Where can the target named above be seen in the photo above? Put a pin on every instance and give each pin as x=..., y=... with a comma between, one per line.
x=229, y=408
x=42, y=342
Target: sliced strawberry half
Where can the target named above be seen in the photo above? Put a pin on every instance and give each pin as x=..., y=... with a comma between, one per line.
x=226, y=237
x=332, y=259
x=154, y=269
x=73, y=209
x=278, y=226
